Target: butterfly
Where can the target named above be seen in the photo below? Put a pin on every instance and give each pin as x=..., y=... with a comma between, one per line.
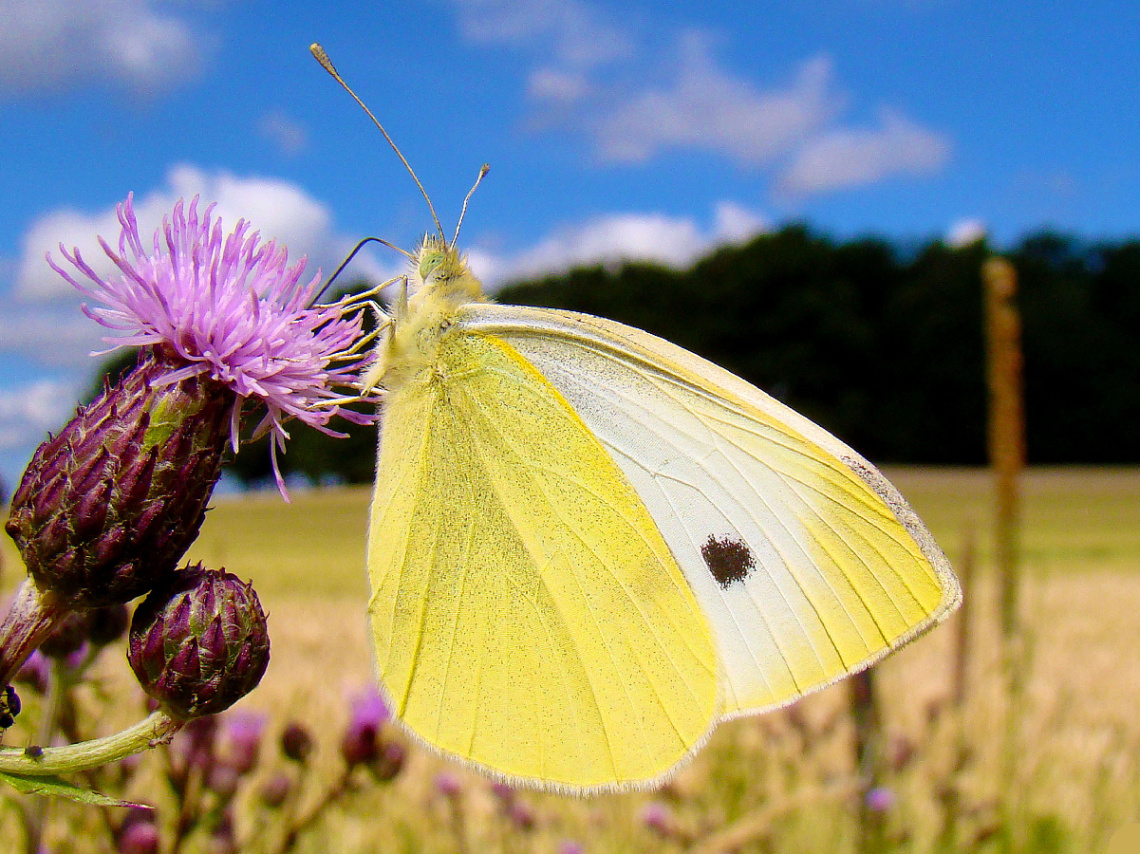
x=588, y=546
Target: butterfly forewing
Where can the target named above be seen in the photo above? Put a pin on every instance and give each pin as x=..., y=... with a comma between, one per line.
x=527, y=613
x=807, y=562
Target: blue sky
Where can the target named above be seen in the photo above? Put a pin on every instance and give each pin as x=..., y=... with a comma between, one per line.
x=639, y=128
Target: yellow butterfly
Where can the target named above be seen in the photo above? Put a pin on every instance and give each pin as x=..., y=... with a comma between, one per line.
x=588, y=546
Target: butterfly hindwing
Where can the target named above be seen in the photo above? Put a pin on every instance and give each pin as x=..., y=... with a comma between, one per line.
x=527, y=614
x=808, y=564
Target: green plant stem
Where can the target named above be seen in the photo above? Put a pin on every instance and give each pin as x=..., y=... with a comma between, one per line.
x=300, y=823
x=156, y=729
x=45, y=732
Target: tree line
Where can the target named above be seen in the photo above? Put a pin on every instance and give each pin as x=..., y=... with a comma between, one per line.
x=879, y=343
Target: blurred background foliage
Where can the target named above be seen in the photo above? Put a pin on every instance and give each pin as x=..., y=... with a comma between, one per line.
x=879, y=342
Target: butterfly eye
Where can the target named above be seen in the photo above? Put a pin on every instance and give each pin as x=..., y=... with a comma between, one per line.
x=429, y=264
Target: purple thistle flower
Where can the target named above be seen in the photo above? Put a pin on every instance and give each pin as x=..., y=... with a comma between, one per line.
x=522, y=814
x=659, y=818
x=448, y=784
x=369, y=708
x=503, y=791
x=361, y=740
x=139, y=837
x=231, y=308
x=35, y=671
x=879, y=799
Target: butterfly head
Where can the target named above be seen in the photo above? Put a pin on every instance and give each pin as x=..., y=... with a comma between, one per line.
x=441, y=284
x=440, y=274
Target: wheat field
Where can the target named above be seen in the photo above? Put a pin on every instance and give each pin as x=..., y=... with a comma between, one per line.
x=785, y=782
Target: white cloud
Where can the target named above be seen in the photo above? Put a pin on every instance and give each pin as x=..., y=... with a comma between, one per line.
x=567, y=31
x=965, y=232
x=56, y=336
x=555, y=85
x=285, y=132
x=28, y=412
x=611, y=239
x=850, y=157
x=63, y=43
x=588, y=76
x=707, y=108
x=735, y=223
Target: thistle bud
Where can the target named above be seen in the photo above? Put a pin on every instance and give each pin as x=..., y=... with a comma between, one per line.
x=107, y=625
x=296, y=742
x=107, y=508
x=275, y=790
x=199, y=642
x=68, y=636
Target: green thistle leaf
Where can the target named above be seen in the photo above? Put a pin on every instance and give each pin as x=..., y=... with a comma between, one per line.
x=60, y=788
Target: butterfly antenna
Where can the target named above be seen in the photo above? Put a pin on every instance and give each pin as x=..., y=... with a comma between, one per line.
x=482, y=172
x=319, y=54
x=352, y=255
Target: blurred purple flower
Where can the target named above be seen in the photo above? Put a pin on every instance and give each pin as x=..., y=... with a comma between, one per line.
x=107, y=625
x=241, y=739
x=74, y=659
x=369, y=708
x=522, y=814
x=448, y=784
x=569, y=846
x=35, y=671
x=902, y=752
x=138, y=834
x=879, y=799
x=658, y=817
x=223, y=780
x=503, y=791
x=230, y=308
x=361, y=740
x=193, y=745
x=68, y=635
x=139, y=838
x=390, y=761
x=222, y=838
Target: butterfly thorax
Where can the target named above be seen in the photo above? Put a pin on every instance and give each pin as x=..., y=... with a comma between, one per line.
x=441, y=284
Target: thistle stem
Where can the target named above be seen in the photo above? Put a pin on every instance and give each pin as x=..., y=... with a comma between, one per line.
x=30, y=618
x=156, y=729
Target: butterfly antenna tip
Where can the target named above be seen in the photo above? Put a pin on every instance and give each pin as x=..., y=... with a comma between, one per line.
x=482, y=172
x=322, y=57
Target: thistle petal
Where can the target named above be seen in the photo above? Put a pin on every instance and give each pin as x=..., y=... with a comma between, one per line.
x=229, y=307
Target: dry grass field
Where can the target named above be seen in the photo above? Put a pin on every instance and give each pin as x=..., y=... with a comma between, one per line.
x=781, y=783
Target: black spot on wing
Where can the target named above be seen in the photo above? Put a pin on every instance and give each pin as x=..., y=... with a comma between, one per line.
x=728, y=559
